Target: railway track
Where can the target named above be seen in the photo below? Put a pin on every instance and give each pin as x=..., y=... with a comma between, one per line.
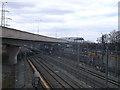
x=57, y=76
x=75, y=73
x=117, y=83
x=59, y=80
x=98, y=76
x=77, y=84
x=42, y=80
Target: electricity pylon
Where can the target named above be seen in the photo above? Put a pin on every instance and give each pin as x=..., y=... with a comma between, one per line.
x=3, y=18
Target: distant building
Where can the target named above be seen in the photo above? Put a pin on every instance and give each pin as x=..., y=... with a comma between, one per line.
x=72, y=39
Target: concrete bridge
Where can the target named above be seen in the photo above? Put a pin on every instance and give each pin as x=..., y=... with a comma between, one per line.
x=13, y=40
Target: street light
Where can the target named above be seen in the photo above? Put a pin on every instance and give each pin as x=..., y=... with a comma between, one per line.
x=38, y=25
x=78, y=55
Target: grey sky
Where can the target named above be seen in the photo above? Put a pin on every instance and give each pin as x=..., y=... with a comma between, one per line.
x=86, y=18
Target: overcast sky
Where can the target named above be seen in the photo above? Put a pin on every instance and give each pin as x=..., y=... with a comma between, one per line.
x=64, y=18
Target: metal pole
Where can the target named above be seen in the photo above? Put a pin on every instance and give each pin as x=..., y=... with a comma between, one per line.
x=103, y=54
x=78, y=60
x=38, y=28
x=116, y=61
x=2, y=15
x=106, y=72
x=38, y=22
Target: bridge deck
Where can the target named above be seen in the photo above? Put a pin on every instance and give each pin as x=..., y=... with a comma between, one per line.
x=17, y=34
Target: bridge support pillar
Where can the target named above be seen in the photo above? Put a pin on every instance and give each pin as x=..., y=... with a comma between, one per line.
x=13, y=52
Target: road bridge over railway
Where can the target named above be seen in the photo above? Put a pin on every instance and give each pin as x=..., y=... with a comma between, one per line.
x=13, y=39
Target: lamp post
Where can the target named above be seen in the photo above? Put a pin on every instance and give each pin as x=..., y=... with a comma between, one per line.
x=106, y=70
x=78, y=54
x=78, y=49
x=116, y=63
x=38, y=25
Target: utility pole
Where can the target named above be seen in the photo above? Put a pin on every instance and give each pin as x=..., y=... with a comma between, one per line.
x=103, y=50
x=78, y=59
x=116, y=63
x=106, y=70
x=105, y=53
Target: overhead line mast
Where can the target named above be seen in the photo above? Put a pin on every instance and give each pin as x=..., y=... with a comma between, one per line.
x=3, y=14
x=3, y=17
